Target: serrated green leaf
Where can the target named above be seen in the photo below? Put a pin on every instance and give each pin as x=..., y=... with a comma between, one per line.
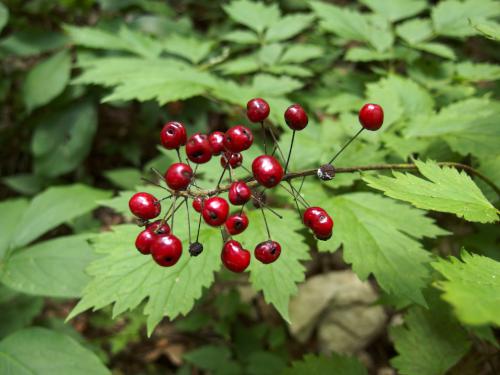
x=468, y=126
x=4, y=16
x=289, y=70
x=255, y=15
x=53, y=268
x=240, y=65
x=189, y=47
x=63, y=139
x=429, y=343
x=42, y=351
x=46, y=80
x=334, y=364
x=273, y=86
x=299, y=53
x=445, y=189
x=437, y=49
x=396, y=10
x=270, y=53
x=125, y=278
x=53, y=207
x=478, y=72
x=277, y=280
x=287, y=27
x=415, y=30
x=379, y=238
x=450, y=17
x=241, y=37
x=367, y=54
x=488, y=29
x=472, y=287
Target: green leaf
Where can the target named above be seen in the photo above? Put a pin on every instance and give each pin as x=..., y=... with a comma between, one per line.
x=445, y=189
x=478, y=72
x=17, y=310
x=299, y=53
x=367, y=54
x=278, y=280
x=241, y=37
x=54, y=268
x=415, y=30
x=41, y=351
x=269, y=54
x=4, y=16
x=30, y=41
x=189, y=47
x=396, y=10
x=24, y=183
x=429, y=343
x=287, y=27
x=469, y=126
x=379, y=237
x=334, y=364
x=255, y=15
x=264, y=363
x=125, y=178
x=240, y=65
x=437, y=49
x=53, y=207
x=215, y=359
x=488, y=29
x=46, y=80
x=63, y=139
x=125, y=278
x=450, y=17
x=12, y=211
x=472, y=287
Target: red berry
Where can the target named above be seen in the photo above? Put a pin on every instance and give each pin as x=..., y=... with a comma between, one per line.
x=234, y=257
x=198, y=204
x=311, y=214
x=173, y=135
x=267, y=171
x=144, y=206
x=215, y=211
x=236, y=224
x=239, y=193
x=166, y=250
x=198, y=148
x=267, y=251
x=371, y=116
x=235, y=159
x=178, y=176
x=238, y=138
x=216, y=140
x=144, y=240
x=296, y=117
x=158, y=228
x=257, y=110
x=322, y=226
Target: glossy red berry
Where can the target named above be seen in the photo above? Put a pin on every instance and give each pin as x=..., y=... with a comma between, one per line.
x=295, y=117
x=144, y=240
x=312, y=214
x=198, y=148
x=216, y=140
x=238, y=138
x=235, y=159
x=166, y=250
x=236, y=224
x=267, y=171
x=234, y=257
x=371, y=116
x=257, y=110
x=173, y=135
x=322, y=226
x=158, y=228
x=215, y=211
x=144, y=206
x=267, y=251
x=198, y=204
x=178, y=176
x=239, y=193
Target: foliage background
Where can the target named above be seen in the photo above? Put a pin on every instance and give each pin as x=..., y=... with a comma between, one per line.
x=85, y=87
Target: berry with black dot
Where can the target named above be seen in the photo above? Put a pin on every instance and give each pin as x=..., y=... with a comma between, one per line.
x=173, y=135
x=257, y=110
x=236, y=224
x=216, y=140
x=371, y=116
x=296, y=117
x=215, y=211
x=322, y=226
x=267, y=171
x=238, y=138
x=235, y=159
x=166, y=250
x=239, y=193
x=178, y=176
x=234, y=256
x=144, y=205
x=198, y=204
x=198, y=148
x=312, y=214
x=267, y=251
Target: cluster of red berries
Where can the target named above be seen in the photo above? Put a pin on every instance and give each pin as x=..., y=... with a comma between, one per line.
x=158, y=239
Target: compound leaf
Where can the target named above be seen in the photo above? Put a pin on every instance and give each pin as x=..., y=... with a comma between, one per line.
x=288, y=26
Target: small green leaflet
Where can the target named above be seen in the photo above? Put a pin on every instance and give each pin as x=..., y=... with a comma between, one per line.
x=215, y=359
x=379, y=237
x=278, y=280
x=478, y=72
x=125, y=278
x=255, y=15
x=472, y=287
x=42, y=351
x=288, y=26
x=415, y=31
x=430, y=341
x=488, y=29
x=191, y=48
x=445, y=189
x=334, y=364
x=396, y=10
